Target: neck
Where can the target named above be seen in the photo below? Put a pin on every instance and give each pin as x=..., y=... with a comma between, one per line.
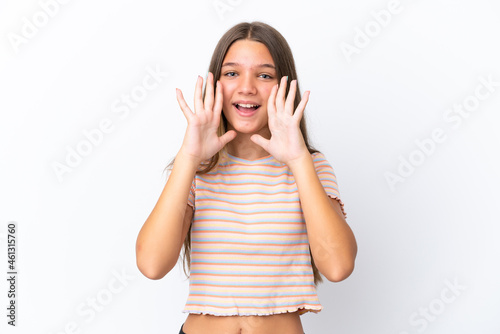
x=243, y=147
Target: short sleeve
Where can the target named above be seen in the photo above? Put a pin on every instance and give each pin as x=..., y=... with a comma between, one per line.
x=327, y=178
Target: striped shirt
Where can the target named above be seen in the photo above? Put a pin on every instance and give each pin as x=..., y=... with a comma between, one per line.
x=249, y=247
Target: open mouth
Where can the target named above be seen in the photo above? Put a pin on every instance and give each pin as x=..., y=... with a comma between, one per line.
x=247, y=108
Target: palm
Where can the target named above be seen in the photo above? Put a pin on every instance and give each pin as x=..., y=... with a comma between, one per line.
x=286, y=142
x=201, y=140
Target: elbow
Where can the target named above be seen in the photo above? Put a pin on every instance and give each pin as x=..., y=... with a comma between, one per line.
x=153, y=272
x=339, y=273
x=150, y=273
x=150, y=268
x=339, y=268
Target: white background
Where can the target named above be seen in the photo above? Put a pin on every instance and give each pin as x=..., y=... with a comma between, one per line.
x=75, y=234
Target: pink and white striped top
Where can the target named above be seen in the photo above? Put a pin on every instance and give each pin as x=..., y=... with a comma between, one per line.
x=250, y=252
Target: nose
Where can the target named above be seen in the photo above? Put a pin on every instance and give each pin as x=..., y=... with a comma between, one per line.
x=247, y=84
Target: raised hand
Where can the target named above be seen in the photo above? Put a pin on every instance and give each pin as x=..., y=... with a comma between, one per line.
x=201, y=141
x=286, y=143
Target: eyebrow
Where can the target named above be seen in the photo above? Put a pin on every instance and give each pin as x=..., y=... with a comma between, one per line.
x=260, y=65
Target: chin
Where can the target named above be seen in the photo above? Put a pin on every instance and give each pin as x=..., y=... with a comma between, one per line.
x=245, y=131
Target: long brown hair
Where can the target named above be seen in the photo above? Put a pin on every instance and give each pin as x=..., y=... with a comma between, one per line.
x=285, y=65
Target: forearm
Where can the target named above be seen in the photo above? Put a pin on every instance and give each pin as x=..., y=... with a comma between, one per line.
x=332, y=242
x=161, y=237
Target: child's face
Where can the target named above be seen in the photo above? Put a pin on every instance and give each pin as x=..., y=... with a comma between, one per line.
x=247, y=77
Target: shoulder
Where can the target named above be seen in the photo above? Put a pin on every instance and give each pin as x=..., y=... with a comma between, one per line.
x=320, y=161
x=318, y=155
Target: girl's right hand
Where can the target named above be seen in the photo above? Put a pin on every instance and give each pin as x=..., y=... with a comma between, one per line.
x=201, y=141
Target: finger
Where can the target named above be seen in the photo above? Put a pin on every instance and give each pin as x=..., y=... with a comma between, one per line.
x=291, y=97
x=302, y=105
x=227, y=137
x=198, y=102
x=261, y=141
x=182, y=103
x=271, y=102
x=209, y=92
x=218, y=101
x=280, y=97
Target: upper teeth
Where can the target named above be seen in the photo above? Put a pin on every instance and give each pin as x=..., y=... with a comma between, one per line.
x=248, y=105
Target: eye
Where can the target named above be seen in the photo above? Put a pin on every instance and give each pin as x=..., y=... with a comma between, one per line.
x=230, y=74
x=266, y=76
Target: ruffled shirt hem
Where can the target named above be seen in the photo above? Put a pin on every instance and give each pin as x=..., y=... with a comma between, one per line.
x=301, y=310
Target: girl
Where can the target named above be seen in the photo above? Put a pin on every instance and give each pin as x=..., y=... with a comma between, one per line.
x=256, y=208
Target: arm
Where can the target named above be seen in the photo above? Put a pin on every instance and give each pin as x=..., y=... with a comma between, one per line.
x=161, y=237
x=331, y=240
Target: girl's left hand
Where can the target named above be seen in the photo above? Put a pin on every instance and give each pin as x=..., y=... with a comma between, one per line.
x=286, y=143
